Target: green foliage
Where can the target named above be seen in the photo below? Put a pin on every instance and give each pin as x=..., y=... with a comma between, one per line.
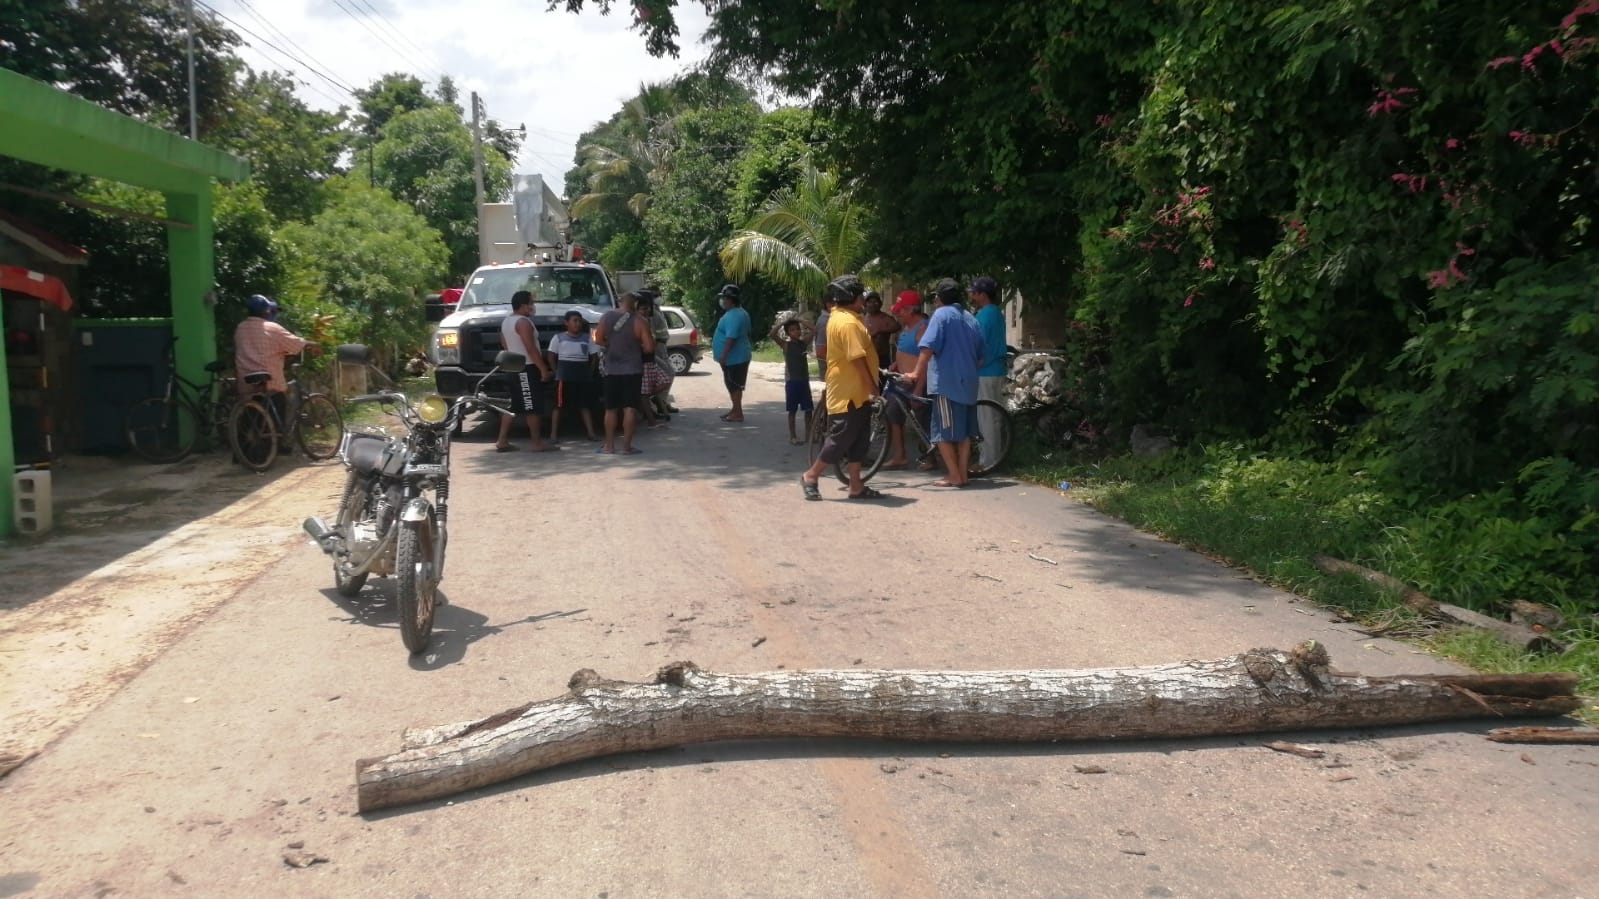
x=393, y=95
x=425, y=159
x=803, y=236
x=367, y=259
x=626, y=252
x=293, y=149
x=777, y=157
x=126, y=55
x=688, y=214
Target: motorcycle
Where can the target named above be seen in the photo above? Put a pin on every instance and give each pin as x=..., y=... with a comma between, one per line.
x=393, y=513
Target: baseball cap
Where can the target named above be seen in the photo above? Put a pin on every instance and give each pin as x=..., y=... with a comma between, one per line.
x=845, y=288
x=987, y=285
x=948, y=291
x=259, y=305
x=729, y=290
x=908, y=299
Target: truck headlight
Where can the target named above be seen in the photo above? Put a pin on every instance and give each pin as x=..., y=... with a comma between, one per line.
x=446, y=347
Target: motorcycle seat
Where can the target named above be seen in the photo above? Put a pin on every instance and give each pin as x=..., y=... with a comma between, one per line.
x=365, y=453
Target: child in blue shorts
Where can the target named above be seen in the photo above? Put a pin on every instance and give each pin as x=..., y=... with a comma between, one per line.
x=792, y=336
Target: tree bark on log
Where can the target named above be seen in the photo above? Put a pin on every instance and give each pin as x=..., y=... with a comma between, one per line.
x=1511, y=633
x=1258, y=691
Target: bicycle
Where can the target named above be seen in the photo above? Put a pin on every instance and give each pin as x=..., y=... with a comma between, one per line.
x=256, y=429
x=896, y=396
x=166, y=428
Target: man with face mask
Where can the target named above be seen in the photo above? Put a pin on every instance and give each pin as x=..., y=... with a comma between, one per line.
x=731, y=348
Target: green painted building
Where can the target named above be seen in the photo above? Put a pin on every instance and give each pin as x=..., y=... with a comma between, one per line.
x=43, y=125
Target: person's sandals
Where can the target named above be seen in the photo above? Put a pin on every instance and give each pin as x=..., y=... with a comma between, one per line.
x=867, y=493
x=927, y=466
x=945, y=482
x=730, y=419
x=508, y=448
x=813, y=490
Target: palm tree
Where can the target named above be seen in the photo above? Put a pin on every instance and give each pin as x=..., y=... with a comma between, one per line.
x=621, y=169
x=802, y=237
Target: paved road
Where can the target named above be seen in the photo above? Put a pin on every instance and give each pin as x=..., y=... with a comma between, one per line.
x=241, y=739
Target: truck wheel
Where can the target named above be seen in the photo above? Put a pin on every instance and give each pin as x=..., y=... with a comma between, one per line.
x=680, y=360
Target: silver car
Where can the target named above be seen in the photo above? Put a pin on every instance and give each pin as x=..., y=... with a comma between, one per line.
x=683, y=341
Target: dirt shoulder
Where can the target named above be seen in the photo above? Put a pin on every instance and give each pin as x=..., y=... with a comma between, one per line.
x=139, y=554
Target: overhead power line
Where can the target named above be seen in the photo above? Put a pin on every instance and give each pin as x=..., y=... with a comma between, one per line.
x=404, y=54
x=277, y=32
x=341, y=88
x=388, y=25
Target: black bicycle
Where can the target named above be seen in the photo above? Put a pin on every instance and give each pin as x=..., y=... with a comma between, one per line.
x=168, y=427
x=901, y=404
x=257, y=429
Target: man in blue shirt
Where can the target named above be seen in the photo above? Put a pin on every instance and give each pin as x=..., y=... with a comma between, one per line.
x=731, y=349
x=984, y=293
x=951, y=351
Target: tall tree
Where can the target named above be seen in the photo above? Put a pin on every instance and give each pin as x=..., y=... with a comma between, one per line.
x=367, y=259
x=424, y=158
x=293, y=149
x=802, y=237
x=126, y=55
x=392, y=95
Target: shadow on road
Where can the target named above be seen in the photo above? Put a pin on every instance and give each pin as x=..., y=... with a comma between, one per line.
x=455, y=627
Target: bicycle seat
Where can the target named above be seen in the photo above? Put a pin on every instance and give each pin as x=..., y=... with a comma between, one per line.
x=258, y=378
x=215, y=367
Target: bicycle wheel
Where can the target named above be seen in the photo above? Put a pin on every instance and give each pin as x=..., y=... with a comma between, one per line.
x=1000, y=423
x=418, y=582
x=817, y=435
x=876, y=452
x=320, y=428
x=253, y=436
x=161, y=430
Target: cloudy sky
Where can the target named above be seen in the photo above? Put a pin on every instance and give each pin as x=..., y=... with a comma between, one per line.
x=554, y=72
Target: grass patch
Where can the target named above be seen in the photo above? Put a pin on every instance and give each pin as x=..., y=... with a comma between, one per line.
x=1271, y=515
x=371, y=415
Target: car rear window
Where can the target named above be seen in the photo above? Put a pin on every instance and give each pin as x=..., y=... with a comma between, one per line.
x=675, y=321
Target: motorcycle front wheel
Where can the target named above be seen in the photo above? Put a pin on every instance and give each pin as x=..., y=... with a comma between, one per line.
x=355, y=506
x=418, y=582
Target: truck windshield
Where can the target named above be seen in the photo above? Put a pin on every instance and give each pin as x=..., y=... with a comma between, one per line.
x=548, y=283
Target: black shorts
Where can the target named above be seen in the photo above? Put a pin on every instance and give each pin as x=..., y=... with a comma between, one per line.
x=575, y=394
x=849, y=436
x=736, y=376
x=527, y=393
x=623, y=391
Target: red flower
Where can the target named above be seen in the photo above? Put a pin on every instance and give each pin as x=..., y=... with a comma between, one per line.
x=1190, y=301
x=1208, y=264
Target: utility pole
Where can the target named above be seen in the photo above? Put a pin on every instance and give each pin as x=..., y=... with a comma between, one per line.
x=194, y=132
x=477, y=176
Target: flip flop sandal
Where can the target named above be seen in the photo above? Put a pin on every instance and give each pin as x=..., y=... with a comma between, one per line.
x=508, y=448
x=602, y=451
x=631, y=452
x=944, y=482
x=927, y=466
x=813, y=491
x=867, y=493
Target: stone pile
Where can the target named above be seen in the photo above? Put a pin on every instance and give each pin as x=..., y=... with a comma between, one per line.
x=1037, y=379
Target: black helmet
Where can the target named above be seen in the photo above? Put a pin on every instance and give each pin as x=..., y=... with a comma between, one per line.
x=845, y=288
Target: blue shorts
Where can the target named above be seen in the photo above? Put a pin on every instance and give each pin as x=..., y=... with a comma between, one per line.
x=952, y=421
x=797, y=396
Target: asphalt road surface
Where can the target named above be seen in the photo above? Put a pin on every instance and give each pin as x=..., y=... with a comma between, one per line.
x=237, y=744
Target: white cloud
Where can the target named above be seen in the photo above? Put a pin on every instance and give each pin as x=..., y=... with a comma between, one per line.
x=555, y=72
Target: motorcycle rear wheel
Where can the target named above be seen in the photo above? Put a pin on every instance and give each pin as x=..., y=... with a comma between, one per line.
x=417, y=587
x=352, y=508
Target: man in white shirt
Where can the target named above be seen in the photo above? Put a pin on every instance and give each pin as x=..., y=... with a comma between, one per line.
x=527, y=398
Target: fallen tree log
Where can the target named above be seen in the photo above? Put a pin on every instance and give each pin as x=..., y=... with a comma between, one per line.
x=1258, y=691
x=1552, y=735
x=1514, y=634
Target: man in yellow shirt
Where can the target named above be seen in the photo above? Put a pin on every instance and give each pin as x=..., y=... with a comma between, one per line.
x=851, y=378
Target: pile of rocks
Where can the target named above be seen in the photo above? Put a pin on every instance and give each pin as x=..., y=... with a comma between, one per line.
x=1037, y=379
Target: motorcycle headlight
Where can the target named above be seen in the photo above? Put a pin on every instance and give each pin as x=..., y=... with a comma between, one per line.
x=446, y=347
x=433, y=409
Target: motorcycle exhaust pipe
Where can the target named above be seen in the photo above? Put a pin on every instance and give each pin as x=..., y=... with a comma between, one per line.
x=321, y=533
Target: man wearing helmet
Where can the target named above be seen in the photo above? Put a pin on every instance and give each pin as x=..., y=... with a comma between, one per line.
x=851, y=383
x=261, y=344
